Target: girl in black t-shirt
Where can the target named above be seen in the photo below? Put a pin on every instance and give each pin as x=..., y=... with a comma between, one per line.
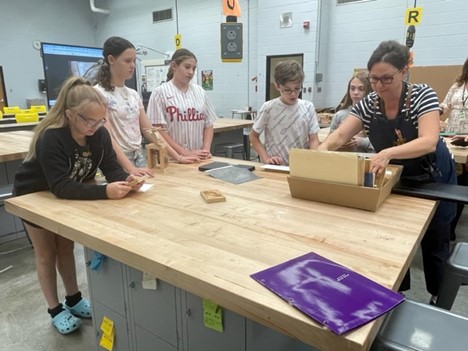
x=67, y=148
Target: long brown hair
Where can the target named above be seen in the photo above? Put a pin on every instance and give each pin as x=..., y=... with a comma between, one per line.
x=463, y=77
x=75, y=94
x=113, y=46
x=347, y=101
x=178, y=57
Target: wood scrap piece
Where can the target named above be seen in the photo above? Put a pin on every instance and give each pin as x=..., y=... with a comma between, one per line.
x=211, y=196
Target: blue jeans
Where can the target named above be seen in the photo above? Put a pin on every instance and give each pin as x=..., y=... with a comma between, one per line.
x=137, y=158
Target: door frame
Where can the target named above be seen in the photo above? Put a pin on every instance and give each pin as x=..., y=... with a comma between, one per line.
x=271, y=62
x=3, y=94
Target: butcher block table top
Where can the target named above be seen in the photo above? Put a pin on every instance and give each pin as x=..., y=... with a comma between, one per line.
x=225, y=124
x=14, y=145
x=212, y=249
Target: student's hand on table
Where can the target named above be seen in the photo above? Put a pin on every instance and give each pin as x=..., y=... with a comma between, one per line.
x=140, y=172
x=189, y=159
x=117, y=190
x=274, y=160
x=201, y=154
x=379, y=162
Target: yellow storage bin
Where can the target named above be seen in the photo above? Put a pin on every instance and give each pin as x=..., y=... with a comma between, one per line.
x=11, y=110
x=1, y=115
x=38, y=108
x=27, y=117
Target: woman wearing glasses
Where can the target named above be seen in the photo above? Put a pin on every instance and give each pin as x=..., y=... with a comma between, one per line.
x=67, y=148
x=402, y=122
x=287, y=121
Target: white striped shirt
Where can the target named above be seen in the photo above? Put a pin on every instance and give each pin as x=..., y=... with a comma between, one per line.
x=423, y=100
x=185, y=114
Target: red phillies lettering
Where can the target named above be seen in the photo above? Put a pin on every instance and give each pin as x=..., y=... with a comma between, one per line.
x=191, y=115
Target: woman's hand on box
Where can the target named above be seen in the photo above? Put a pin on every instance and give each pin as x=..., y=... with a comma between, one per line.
x=379, y=162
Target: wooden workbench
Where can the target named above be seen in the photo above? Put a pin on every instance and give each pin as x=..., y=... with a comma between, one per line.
x=225, y=124
x=210, y=250
x=14, y=145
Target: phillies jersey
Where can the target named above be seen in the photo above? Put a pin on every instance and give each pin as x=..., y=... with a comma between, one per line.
x=184, y=114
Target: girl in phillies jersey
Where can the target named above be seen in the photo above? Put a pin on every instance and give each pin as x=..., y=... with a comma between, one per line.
x=127, y=117
x=183, y=109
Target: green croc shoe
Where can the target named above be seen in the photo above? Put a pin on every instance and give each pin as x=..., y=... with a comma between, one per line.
x=81, y=309
x=65, y=322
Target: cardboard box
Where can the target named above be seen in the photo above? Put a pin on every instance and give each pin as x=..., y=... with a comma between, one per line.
x=343, y=194
x=330, y=166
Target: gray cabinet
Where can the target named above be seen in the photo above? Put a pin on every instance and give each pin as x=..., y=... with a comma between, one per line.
x=122, y=335
x=107, y=289
x=260, y=337
x=108, y=284
x=168, y=318
x=200, y=338
x=154, y=314
x=146, y=341
x=11, y=227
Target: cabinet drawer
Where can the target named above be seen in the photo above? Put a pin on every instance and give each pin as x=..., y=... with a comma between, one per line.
x=107, y=284
x=121, y=334
x=154, y=310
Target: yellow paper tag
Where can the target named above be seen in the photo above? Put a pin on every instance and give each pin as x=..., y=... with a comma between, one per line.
x=178, y=41
x=212, y=316
x=107, y=341
x=107, y=326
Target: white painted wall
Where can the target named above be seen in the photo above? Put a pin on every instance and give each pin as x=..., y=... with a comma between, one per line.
x=199, y=24
x=273, y=40
x=54, y=21
x=340, y=39
x=356, y=30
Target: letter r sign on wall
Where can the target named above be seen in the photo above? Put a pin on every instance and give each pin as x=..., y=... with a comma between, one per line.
x=413, y=16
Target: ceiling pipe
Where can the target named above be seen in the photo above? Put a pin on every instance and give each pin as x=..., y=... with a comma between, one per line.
x=98, y=10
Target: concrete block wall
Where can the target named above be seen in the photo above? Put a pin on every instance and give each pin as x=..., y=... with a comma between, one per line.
x=340, y=38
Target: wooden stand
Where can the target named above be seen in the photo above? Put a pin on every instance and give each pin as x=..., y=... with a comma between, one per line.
x=156, y=156
x=156, y=153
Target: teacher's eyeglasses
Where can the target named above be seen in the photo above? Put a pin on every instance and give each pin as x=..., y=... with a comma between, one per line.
x=91, y=122
x=383, y=80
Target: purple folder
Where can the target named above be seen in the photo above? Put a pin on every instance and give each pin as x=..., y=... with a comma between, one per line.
x=331, y=294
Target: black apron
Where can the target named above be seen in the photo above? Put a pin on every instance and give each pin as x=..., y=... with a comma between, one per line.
x=436, y=167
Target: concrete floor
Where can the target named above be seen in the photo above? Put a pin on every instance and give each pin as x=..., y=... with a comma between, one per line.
x=25, y=325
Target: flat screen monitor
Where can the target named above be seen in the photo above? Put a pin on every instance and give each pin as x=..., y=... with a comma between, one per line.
x=63, y=61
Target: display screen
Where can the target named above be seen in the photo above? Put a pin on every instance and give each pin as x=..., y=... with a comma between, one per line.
x=63, y=61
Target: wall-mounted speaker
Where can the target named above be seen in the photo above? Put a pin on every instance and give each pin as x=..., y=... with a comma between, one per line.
x=231, y=42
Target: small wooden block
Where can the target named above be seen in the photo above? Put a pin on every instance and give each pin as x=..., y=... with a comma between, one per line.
x=138, y=180
x=211, y=196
